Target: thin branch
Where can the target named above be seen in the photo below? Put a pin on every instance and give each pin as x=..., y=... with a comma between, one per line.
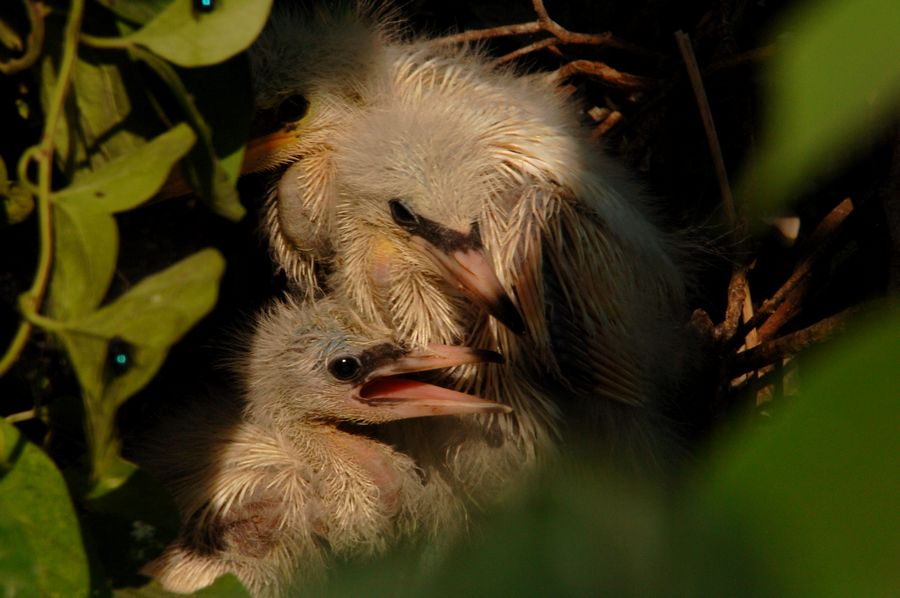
x=754, y=55
x=605, y=73
x=543, y=24
x=737, y=291
x=489, y=33
x=794, y=288
x=752, y=386
x=791, y=344
x=35, y=43
x=712, y=138
x=611, y=120
x=588, y=39
x=533, y=47
x=106, y=43
x=21, y=416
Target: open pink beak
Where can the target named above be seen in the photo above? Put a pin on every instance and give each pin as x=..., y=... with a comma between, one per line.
x=401, y=398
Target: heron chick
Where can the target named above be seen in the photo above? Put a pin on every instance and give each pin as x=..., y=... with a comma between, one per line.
x=273, y=486
x=449, y=189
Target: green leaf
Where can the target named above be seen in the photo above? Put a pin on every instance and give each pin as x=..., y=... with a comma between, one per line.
x=100, y=119
x=203, y=169
x=9, y=37
x=41, y=550
x=84, y=229
x=190, y=39
x=833, y=84
x=15, y=202
x=808, y=505
x=131, y=179
x=18, y=204
x=151, y=317
x=86, y=247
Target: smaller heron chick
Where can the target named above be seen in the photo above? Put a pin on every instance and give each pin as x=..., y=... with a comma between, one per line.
x=272, y=489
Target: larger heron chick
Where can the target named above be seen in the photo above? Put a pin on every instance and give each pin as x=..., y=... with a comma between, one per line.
x=274, y=486
x=455, y=189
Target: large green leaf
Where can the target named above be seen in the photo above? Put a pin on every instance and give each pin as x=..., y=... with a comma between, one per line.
x=187, y=38
x=808, y=505
x=86, y=248
x=144, y=322
x=834, y=80
x=41, y=551
x=150, y=317
x=131, y=179
x=84, y=230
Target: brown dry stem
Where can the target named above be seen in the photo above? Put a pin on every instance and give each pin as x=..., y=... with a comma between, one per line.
x=773, y=351
x=785, y=303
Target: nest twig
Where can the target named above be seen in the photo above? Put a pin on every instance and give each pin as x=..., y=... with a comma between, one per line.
x=559, y=36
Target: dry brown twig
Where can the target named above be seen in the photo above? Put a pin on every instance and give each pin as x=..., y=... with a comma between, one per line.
x=790, y=344
x=560, y=36
x=605, y=118
x=543, y=24
x=739, y=304
x=604, y=72
x=784, y=303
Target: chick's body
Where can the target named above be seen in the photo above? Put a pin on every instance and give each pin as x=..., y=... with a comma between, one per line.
x=272, y=487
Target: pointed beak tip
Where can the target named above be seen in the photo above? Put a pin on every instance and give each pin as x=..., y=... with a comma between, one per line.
x=508, y=315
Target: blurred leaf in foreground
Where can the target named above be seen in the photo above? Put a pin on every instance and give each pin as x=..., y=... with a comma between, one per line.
x=577, y=532
x=834, y=80
x=808, y=505
x=41, y=551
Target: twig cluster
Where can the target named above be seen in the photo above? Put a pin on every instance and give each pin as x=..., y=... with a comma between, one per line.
x=560, y=36
x=748, y=341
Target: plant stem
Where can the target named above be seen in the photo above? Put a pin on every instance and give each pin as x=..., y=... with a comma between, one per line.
x=43, y=154
x=120, y=43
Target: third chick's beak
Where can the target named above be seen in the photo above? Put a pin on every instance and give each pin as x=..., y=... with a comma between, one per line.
x=395, y=397
x=469, y=270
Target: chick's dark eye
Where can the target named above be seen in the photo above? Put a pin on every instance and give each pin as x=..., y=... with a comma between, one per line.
x=401, y=214
x=293, y=109
x=344, y=368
